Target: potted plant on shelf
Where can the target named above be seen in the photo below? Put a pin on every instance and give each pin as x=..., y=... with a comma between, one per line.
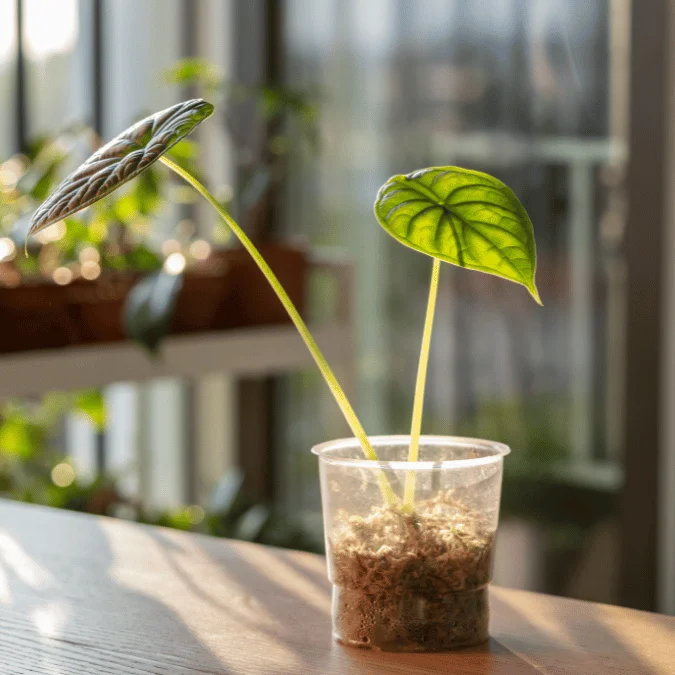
x=71, y=291
x=94, y=274
x=409, y=520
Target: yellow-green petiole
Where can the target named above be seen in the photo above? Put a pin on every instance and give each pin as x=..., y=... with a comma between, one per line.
x=326, y=371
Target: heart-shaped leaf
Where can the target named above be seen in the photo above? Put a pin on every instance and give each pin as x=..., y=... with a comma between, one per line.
x=148, y=309
x=463, y=217
x=120, y=160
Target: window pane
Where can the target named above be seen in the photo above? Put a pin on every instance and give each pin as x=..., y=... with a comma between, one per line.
x=7, y=77
x=57, y=65
x=141, y=40
x=532, y=92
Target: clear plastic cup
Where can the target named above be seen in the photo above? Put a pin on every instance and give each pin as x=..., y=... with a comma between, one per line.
x=411, y=578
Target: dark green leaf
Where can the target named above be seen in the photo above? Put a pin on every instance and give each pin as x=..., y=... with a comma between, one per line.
x=43, y=181
x=123, y=158
x=43, y=172
x=36, y=145
x=143, y=259
x=149, y=307
x=227, y=490
x=463, y=217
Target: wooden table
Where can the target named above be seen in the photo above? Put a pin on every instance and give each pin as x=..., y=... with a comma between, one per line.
x=85, y=595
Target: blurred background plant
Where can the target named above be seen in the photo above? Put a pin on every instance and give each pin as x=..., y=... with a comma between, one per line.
x=34, y=469
x=114, y=235
x=125, y=235
x=264, y=123
x=119, y=235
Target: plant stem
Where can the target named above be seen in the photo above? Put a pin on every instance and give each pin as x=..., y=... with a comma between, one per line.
x=418, y=404
x=328, y=375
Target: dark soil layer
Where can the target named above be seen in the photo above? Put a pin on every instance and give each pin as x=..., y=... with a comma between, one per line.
x=413, y=582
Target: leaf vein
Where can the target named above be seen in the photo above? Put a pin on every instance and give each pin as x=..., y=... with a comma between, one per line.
x=455, y=233
x=491, y=245
x=412, y=219
x=402, y=204
x=487, y=205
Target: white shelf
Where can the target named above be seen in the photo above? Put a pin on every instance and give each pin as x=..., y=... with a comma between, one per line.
x=260, y=351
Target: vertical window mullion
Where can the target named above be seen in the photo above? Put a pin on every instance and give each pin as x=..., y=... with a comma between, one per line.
x=189, y=48
x=98, y=119
x=21, y=112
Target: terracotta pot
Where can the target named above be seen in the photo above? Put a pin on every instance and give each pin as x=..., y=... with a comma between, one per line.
x=34, y=316
x=95, y=309
x=226, y=291
x=253, y=302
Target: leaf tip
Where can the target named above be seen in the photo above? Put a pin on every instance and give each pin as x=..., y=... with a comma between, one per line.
x=535, y=294
x=207, y=108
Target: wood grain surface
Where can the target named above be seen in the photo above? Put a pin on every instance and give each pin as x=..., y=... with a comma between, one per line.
x=86, y=595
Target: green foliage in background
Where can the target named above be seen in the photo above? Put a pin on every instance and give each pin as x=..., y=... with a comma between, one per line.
x=264, y=122
x=536, y=428
x=34, y=469
x=231, y=512
x=121, y=227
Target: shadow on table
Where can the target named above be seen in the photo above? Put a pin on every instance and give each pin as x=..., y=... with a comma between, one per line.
x=63, y=611
x=274, y=595
x=292, y=591
x=566, y=636
x=80, y=592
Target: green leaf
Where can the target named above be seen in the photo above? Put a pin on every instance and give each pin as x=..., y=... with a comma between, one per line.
x=148, y=190
x=92, y=404
x=20, y=437
x=117, y=162
x=144, y=259
x=463, y=217
x=126, y=208
x=184, y=152
x=42, y=181
x=194, y=71
x=228, y=489
x=149, y=307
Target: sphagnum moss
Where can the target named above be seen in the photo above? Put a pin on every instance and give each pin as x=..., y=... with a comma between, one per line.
x=413, y=581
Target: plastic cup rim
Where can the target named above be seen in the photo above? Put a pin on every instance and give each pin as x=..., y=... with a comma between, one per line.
x=500, y=450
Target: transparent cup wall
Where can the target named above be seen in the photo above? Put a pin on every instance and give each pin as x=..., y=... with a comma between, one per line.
x=411, y=581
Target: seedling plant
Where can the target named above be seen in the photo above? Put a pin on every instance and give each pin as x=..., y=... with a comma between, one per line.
x=456, y=215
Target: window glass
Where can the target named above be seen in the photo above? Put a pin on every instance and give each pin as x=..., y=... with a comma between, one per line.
x=532, y=92
x=7, y=77
x=57, y=47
